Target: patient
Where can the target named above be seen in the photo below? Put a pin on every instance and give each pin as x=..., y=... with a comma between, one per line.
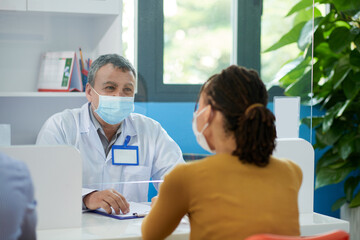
x=17, y=204
x=242, y=189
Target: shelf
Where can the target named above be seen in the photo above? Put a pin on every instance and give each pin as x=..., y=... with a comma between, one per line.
x=42, y=94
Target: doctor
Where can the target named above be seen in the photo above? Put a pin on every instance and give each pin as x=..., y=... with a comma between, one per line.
x=106, y=122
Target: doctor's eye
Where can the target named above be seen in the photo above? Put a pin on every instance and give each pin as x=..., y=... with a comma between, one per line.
x=128, y=90
x=109, y=88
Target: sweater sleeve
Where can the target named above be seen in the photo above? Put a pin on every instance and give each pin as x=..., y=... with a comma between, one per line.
x=171, y=206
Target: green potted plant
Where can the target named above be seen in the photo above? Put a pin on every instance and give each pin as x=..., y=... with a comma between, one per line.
x=336, y=88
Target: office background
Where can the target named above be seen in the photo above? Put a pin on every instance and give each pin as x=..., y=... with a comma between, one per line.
x=27, y=114
x=26, y=33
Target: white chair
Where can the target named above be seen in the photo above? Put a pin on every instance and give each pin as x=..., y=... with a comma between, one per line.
x=301, y=152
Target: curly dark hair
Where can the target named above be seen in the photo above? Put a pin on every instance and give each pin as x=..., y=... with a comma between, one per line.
x=241, y=96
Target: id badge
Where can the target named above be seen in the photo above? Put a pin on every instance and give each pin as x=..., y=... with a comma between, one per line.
x=124, y=154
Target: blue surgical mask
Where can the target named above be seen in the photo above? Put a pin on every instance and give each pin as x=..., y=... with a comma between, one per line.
x=114, y=109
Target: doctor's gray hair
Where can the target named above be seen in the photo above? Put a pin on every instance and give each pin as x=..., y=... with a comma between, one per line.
x=116, y=60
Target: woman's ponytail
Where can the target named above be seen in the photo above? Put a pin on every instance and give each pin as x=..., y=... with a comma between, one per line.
x=255, y=135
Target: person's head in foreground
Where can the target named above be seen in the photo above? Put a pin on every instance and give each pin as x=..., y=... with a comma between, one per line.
x=242, y=189
x=231, y=116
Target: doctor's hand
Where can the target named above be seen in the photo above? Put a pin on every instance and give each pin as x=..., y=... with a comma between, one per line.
x=107, y=199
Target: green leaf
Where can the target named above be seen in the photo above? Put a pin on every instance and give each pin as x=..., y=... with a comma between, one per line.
x=290, y=37
x=339, y=39
x=342, y=69
x=293, y=70
x=299, y=6
x=357, y=43
x=323, y=51
x=339, y=164
x=323, y=91
x=301, y=87
x=329, y=117
x=330, y=137
x=316, y=121
x=338, y=204
x=349, y=85
x=356, y=201
x=306, y=33
x=355, y=58
x=349, y=187
x=306, y=14
x=326, y=160
x=343, y=5
x=357, y=144
x=346, y=146
x=327, y=176
x=343, y=108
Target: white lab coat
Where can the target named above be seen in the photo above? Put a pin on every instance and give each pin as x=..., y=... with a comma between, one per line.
x=158, y=153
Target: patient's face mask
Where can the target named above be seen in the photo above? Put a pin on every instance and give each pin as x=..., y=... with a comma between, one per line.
x=114, y=109
x=200, y=138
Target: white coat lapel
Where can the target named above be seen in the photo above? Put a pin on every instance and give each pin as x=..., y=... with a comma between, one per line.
x=86, y=127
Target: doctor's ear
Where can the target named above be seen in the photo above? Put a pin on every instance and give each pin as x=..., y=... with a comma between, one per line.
x=88, y=92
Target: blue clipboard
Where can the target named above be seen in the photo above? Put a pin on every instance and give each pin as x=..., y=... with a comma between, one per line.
x=120, y=217
x=139, y=210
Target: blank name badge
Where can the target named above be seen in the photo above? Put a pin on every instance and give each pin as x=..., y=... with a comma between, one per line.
x=124, y=154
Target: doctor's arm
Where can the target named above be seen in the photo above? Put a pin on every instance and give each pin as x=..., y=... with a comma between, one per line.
x=167, y=155
x=52, y=133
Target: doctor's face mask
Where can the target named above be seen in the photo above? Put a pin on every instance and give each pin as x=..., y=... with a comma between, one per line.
x=113, y=109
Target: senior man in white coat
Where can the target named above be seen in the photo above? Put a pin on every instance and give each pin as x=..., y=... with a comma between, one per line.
x=107, y=123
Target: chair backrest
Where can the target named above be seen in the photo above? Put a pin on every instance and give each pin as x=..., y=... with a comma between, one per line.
x=301, y=152
x=56, y=172
x=333, y=235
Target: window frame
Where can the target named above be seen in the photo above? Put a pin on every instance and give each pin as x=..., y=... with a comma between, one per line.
x=150, y=49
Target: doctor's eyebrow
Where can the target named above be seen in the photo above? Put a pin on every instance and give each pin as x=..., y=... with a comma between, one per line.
x=111, y=83
x=129, y=85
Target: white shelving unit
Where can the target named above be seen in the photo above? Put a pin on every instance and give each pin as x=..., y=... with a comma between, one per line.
x=42, y=94
x=28, y=28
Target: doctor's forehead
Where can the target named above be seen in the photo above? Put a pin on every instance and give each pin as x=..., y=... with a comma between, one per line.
x=108, y=73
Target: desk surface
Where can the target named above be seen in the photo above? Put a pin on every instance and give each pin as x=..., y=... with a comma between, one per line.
x=95, y=226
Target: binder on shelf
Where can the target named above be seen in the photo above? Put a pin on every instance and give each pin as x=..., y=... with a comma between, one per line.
x=59, y=72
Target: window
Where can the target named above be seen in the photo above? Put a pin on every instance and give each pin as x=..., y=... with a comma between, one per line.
x=197, y=40
x=128, y=30
x=156, y=69
x=274, y=24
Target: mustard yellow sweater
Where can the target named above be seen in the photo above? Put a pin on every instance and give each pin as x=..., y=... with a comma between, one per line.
x=226, y=199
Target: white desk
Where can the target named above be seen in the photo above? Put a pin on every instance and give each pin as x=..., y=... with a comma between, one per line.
x=95, y=226
x=315, y=223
